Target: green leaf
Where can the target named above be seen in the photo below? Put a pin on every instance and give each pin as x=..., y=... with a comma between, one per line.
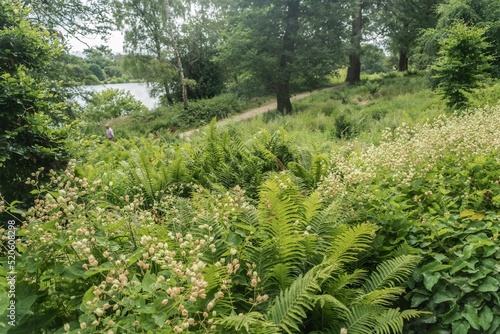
x=74, y=271
x=460, y=328
x=443, y=296
x=418, y=299
x=486, y=317
x=430, y=279
x=470, y=313
x=148, y=282
x=160, y=319
x=489, y=284
x=87, y=297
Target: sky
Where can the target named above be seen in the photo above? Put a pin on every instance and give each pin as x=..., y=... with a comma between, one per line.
x=114, y=41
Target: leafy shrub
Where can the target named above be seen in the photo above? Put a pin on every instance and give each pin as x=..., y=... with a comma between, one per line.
x=203, y=111
x=91, y=266
x=433, y=187
x=459, y=280
x=31, y=109
x=349, y=124
x=112, y=103
x=462, y=63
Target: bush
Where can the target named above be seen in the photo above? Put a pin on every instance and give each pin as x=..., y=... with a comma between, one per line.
x=111, y=103
x=462, y=64
x=31, y=109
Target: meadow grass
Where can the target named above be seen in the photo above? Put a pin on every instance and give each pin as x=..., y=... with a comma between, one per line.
x=362, y=111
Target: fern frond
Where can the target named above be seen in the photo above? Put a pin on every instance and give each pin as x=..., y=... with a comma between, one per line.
x=352, y=241
x=311, y=206
x=382, y=297
x=391, y=272
x=404, y=249
x=279, y=212
x=289, y=308
x=214, y=275
x=249, y=323
x=263, y=257
x=177, y=171
x=282, y=274
x=319, y=167
x=332, y=301
x=345, y=280
x=361, y=319
x=392, y=320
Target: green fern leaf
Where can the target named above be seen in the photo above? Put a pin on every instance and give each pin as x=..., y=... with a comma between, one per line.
x=383, y=297
x=391, y=272
x=361, y=319
x=248, y=323
x=352, y=241
x=289, y=308
x=392, y=320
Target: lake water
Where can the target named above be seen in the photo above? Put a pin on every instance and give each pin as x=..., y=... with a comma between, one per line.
x=138, y=90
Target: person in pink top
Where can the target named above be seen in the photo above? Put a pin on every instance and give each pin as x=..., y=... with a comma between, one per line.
x=109, y=133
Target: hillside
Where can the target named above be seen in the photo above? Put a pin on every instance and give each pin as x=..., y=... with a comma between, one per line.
x=268, y=224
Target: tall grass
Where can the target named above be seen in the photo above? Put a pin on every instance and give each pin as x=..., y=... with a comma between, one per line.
x=361, y=111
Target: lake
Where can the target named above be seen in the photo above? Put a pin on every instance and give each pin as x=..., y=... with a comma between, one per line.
x=138, y=91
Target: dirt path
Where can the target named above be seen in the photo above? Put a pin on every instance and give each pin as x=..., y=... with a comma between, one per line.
x=256, y=111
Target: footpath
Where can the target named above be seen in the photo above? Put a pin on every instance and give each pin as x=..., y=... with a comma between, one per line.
x=256, y=111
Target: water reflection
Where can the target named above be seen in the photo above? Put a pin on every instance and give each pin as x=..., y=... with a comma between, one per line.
x=138, y=90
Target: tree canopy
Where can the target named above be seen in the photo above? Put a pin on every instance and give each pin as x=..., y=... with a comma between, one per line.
x=31, y=112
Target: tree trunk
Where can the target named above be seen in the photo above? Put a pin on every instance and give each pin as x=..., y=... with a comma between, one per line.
x=180, y=68
x=354, y=69
x=403, y=62
x=284, y=105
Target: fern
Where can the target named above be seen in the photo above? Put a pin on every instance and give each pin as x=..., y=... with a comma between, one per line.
x=354, y=240
x=361, y=319
x=249, y=323
x=391, y=272
x=289, y=308
x=392, y=320
x=383, y=297
x=280, y=210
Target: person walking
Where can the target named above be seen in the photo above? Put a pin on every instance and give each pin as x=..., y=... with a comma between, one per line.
x=109, y=133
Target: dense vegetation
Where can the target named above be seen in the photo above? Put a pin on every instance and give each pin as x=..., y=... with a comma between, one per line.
x=369, y=207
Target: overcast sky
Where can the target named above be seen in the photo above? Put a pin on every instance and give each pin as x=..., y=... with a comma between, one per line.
x=115, y=42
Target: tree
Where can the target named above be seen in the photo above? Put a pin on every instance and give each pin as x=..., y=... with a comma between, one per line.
x=30, y=109
x=97, y=71
x=111, y=103
x=462, y=63
x=277, y=44
x=375, y=60
x=200, y=39
x=484, y=14
x=354, y=68
x=361, y=13
x=151, y=35
x=402, y=21
x=74, y=17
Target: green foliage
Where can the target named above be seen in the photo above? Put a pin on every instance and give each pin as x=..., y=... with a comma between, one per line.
x=100, y=266
x=374, y=59
x=258, y=60
x=462, y=63
x=111, y=103
x=458, y=282
x=202, y=112
x=97, y=71
x=442, y=204
x=481, y=14
x=31, y=134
